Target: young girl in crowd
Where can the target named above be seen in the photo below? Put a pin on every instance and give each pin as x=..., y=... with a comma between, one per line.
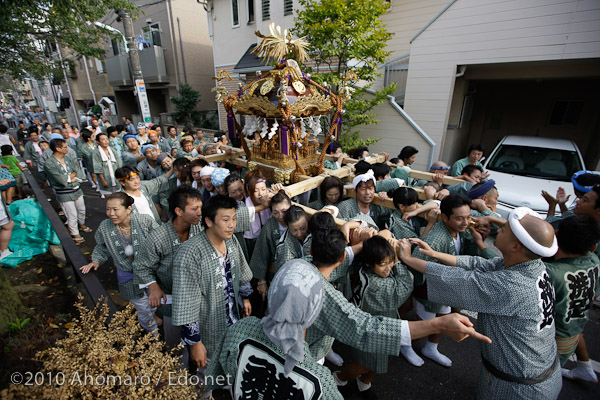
x=119, y=237
x=256, y=194
x=384, y=286
x=13, y=167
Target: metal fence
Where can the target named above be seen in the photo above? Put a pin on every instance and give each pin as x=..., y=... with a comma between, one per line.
x=396, y=71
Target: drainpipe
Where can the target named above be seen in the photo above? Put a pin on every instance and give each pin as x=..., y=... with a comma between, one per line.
x=87, y=72
x=181, y=48
x=175, y=60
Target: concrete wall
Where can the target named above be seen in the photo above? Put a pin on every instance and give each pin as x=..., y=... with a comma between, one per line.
x=487, y=32
x=396, y=132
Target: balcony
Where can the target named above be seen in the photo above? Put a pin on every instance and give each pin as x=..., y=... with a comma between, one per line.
x=117, y=68
x=152, y=60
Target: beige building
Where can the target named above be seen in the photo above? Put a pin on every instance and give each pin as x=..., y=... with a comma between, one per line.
x=87, y=83
x=174, y=48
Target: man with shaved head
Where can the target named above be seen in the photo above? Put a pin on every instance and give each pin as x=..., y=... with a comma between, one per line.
x=514, y=298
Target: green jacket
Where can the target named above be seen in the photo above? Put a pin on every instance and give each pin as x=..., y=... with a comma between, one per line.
x=109, y=245
x=198, y=286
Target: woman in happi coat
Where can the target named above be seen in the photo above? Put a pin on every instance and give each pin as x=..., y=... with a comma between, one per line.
x=262, y=260
x=331, y=192
x=295, y=241
x=120, y=237
x=256, y=194
x=105, y=163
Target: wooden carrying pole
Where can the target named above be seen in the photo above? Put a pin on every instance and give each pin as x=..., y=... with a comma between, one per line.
x=312, y=182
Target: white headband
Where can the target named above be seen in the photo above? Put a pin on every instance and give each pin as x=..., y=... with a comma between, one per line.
x=208, y=170
x=524, y=237
x=368, y=176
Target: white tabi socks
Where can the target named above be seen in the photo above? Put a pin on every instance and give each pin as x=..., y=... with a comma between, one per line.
x=431, y=351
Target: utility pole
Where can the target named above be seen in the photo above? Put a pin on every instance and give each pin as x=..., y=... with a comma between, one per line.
x=136, y=67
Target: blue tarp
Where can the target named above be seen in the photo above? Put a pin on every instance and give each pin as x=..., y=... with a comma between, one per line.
x=32, y=233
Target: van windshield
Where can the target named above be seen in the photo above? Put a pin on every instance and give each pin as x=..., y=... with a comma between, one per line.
x=537, y=162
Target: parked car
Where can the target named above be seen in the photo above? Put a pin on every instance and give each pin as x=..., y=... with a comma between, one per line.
x=523, y=166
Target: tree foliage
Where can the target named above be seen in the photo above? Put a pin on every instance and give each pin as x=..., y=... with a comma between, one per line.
x=30, y=30
x=347, y=35
x=185, y=105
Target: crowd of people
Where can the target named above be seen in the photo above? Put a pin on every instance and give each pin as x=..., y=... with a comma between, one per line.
x=253, y=285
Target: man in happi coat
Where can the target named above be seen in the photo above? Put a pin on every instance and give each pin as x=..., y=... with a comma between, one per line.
x=450, y=236
x=574, y=271
x=153, y=268
x=209, y=274
x=514, y=299
x=362, y=206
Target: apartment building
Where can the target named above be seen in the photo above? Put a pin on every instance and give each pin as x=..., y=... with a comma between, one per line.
x=174, y=49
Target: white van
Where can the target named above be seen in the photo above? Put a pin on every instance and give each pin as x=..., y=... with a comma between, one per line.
x=523, y=166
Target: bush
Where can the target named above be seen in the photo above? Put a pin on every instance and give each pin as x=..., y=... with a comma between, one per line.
x=97, y=360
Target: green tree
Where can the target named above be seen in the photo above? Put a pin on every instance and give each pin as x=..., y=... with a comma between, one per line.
x=185, y=106
x=347, y=35
x=30, y=30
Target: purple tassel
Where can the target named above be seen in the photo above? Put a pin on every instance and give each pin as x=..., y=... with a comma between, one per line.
x=283, y=139
x=339, y=128
x=230, y=125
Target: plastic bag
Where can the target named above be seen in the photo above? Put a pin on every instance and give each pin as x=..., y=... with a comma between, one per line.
x=32, y=233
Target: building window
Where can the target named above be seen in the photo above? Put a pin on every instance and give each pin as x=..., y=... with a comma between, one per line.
x=118, y=46
x=151, y=35
x=566, y=113
x=266, y=10
x=288, y=7
x=250, y=11
x=100, y=66
x=235, y=13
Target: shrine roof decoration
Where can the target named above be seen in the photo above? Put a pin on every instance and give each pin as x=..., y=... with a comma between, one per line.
x=283, y=107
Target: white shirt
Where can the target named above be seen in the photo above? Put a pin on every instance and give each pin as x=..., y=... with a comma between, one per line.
x=142, y=206
x=457, y=243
